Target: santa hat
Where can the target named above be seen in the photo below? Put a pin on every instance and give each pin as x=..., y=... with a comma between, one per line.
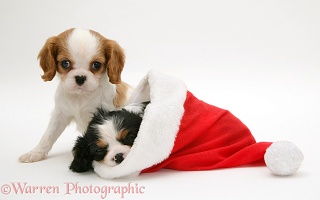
x=181, y=132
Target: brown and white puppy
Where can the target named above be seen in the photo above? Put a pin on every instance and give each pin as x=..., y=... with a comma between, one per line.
x=89, y=67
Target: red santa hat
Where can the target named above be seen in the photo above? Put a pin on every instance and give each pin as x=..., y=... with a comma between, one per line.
x=181, y=132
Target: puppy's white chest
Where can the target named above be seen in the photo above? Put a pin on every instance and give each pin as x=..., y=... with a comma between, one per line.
x=79, y=108
x=82, y=119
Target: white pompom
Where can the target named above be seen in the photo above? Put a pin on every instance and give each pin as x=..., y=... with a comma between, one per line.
x=283, y=158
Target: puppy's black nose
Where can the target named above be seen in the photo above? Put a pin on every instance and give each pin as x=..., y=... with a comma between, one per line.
x=80, y=79
x=119, y=158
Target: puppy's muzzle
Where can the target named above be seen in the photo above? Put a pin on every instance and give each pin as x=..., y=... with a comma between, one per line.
x=116, y=155
x=80, y=80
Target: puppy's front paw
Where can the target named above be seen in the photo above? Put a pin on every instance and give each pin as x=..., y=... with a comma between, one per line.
x=32, y=156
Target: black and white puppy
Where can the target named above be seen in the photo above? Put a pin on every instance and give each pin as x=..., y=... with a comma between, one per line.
x=108, y=138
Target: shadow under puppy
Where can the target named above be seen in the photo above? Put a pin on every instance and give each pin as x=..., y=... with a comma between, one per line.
x=108, y=138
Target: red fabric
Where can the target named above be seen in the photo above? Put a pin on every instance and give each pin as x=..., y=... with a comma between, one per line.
x=211, y=138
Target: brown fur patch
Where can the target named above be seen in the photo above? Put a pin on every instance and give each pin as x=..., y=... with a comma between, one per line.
x=101, y=143
x=121, y=94
x=48, y=55
x=122, y=134
x=115, y=57
x=115, y=62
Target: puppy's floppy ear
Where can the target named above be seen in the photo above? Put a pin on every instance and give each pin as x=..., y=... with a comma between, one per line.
x=82, y=161
x=116, y=59
x=47, y=59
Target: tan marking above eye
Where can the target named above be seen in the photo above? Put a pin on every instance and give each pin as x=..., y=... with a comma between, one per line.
x=101, y=143
x=122, y=134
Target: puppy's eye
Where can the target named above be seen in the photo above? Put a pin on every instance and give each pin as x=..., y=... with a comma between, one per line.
x=96, y=66
x=129, y=140
x=66, y=64
x=100, y=151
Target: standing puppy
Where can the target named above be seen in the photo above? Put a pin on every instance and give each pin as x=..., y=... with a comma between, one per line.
x=89, y=67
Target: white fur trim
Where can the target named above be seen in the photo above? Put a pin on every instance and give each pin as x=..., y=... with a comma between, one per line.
x=159, y=126
x=283, y=158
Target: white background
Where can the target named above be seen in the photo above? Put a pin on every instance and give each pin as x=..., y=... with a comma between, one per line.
x=258, y=59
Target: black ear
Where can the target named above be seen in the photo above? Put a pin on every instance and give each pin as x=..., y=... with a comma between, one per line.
x=82, y=161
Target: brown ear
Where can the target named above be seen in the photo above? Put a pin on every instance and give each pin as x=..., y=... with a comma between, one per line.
x=116, y=59
x=47, y=59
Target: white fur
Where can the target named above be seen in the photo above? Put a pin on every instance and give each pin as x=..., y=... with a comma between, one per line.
x=84, y=50
x=108, y=130
x=135, y=108
x=167, y=95
x=74, y=102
